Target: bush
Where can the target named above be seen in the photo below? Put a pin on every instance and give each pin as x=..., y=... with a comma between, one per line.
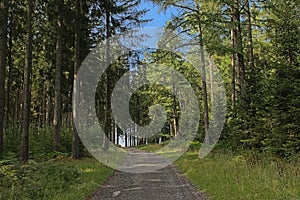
x=34, y=180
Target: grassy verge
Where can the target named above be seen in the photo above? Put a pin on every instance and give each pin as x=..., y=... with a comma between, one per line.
x=59, y=179
x=247, y=176
x=223, y=176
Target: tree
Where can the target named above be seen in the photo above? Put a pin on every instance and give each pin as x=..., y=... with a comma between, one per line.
x=58, y=72
x=239, y=45
x=203, y=70
x=78, y=35
x=3, y=51
x=233, y=66
x=249, y=34
x=27, y=85
x=283, y=32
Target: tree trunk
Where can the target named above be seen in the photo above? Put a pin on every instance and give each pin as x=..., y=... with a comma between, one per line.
x=171, y=130
x=58, y=71
x=239, y=46
x=44, y=105
x=27, y=85
x=249, y=30
x=75, y=137
x=211, y=79
x=48, y=106
x=175, y=120
x=126, y=138
x=9, y=119
x=233, y=66
x=204, y=85
x=118, y=135
x=108, y=84
x=17, y=107
x=3, y=51
x=114, y=132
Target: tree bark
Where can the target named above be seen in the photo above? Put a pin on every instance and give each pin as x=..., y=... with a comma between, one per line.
x=250, y=37
x=9, y=120
x=204, y=84
x=108, y=83
x=3, y=52
x=44, y=105
x=211, y=79
x=239, y=46
x=48, y=105
x=27, y=85
x=75, y=137
x=58, y=72
x=126, y=138
x=233, y=66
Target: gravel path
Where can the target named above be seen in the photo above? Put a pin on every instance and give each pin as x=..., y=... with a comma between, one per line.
x=163, y=184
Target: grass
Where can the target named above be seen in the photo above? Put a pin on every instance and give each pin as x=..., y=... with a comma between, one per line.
x=92, y=175
x=224, y=176
x=246, y=176
x=59, y=179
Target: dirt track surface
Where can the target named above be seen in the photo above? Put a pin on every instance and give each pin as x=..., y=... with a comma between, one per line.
x=146, y=184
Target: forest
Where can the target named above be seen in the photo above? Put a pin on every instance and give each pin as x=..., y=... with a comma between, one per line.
x=253, y=43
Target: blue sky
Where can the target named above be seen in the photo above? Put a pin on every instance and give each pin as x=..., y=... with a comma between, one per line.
x=159, y=18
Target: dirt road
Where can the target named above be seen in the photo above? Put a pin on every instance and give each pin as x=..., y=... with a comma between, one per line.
x=140, y=182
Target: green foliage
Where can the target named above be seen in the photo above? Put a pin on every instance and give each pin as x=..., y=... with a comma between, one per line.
x=61, y=178
x=265, y=117
x=35, y=180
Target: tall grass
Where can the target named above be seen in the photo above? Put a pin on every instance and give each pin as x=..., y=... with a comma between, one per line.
x=255, y=176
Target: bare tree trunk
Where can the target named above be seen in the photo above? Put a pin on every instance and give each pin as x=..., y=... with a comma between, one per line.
x=211, y=79
x=27, y=85
x=233, y=66
x=126, y=138
x=9, y=120
x=171, y=130
x=3, y=51
x=249, y=30
x=108, y=84
x=203, y=69
x=48, y=106
x=239, y=46
x=75, y=137
x=175, y=120
x=58, y=71
x=118, y=135
x=44, y=104
x=16, y=107
x=113, y=132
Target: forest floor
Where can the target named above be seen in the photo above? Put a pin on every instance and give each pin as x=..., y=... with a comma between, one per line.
x=136, y=180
